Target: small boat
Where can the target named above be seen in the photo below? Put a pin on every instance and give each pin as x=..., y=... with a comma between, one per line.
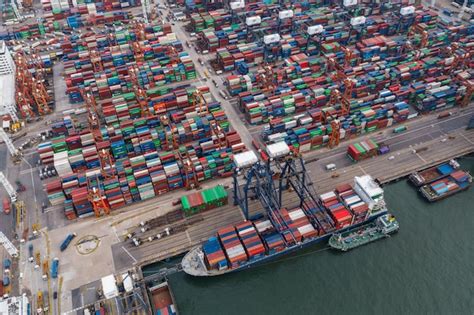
x=162, y=299
x=382, y=227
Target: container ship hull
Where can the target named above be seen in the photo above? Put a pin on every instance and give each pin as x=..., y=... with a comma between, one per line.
x=193, y=264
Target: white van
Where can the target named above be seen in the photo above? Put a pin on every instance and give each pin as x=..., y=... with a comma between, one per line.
x=331, y=167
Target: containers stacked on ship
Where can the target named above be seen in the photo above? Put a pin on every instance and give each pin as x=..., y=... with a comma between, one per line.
x=293, y=225
x=251, y=240
x=341, y=215
x=213, y=255
x=353, y=202
x=273, y=240
x=232, y=245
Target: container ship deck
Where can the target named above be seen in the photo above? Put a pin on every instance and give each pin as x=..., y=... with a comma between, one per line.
x=283, y=231
x=433, y=173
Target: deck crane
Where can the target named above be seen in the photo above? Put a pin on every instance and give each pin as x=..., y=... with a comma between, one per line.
x=14, y=152
x=95, y=197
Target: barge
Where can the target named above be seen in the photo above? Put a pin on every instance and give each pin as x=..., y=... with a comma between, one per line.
x=284, y=231
x=456, y=182
x=433, y=173
x=162, y=299
x=382, y=227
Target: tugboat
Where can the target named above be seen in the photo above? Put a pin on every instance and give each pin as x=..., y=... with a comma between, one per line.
x=382, y=227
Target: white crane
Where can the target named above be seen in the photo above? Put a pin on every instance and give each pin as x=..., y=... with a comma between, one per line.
x=11, y=148
x=8, y=187
x=11, y=249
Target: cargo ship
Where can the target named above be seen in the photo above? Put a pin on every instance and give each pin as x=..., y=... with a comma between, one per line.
x=433, y=173
x=382, y=227
x=447, y=186
x=284, y=231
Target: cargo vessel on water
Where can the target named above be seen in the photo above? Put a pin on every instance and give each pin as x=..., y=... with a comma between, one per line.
x=162, y=299
x=253, y=243
x=433, y=173
x=381, y=227
x=447, y=186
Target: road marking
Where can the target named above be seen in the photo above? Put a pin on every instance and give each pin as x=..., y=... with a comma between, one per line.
x=467, y=139
x=360, y=167
x=418, y=155
x=116, y=235
x=131, y=256
x=187, y=235
x=27, y=171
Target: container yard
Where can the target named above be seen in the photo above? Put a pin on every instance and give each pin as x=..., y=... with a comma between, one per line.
x=232, y=133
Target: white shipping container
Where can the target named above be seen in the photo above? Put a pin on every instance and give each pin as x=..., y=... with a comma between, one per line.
x=327, y=195
x=296, y=214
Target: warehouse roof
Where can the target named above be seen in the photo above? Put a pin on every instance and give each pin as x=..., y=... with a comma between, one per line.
x=7, y=91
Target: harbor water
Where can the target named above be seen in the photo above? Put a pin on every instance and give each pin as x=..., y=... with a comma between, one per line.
x=427, y=268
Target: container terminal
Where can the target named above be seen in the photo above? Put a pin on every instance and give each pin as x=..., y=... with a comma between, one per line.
x=131, y=130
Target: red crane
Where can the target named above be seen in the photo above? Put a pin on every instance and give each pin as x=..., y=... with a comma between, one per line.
x=95, y=197
x=93, y=114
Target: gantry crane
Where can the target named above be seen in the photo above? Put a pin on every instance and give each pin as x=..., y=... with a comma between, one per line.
x=14, y=152
x=139, y=29
x=219, y=133
x=8, y=187
x=140, y=94
x=95, y=197
x=198, y=99
x=30, y=89
x=107, y=166
x=96, y=60
x=268, y=183
x=191, y=180
x=348, y=56
x=8, y=245
x=138, y=52
x=266, y=79
x=93, y=117
x=469, y=93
